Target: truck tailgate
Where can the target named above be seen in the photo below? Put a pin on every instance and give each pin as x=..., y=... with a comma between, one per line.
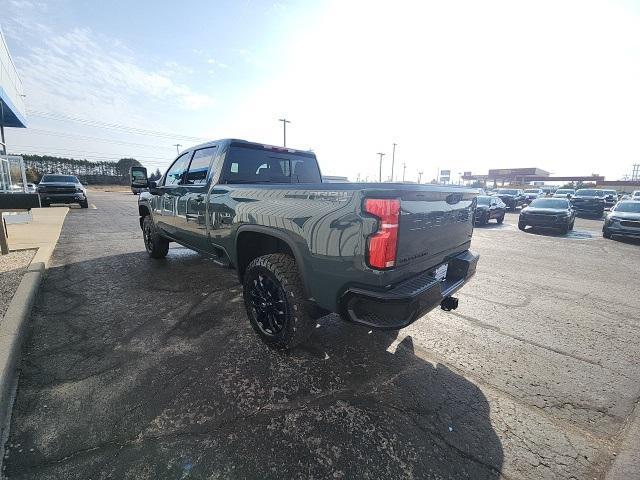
x=432, y=225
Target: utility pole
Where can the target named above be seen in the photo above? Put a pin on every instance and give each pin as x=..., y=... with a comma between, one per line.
x=284, y=126
x=393, y=161
x=404, y=169
x=420, y=177
x=177, y=145
x=381, y=155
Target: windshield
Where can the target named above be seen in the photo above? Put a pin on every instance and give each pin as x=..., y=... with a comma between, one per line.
x=550, y=203
x=565, y=191
x=507, y=191
x=532, y=191
x=590, y=193
x=258, y=164
x=629, y=207
x=484, y=200
x=59, y=179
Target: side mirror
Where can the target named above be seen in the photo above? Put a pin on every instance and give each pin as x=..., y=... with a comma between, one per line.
x=139, y=177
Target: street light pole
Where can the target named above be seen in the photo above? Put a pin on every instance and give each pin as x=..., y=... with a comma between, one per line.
x=284, y=126
x=420, y=177
x=393, y=160
x=381, y=155
x=177, y=145
x=404, y=169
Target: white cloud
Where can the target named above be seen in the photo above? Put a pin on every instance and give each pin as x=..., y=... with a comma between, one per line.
x=213, y=61
x=79, y=71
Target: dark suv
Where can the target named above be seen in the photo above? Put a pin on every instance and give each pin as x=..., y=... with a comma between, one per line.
x=512, y=197
x=54, y=188
x=589, y=201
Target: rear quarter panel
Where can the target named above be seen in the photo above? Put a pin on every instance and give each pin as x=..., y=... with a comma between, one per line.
x=329, y=231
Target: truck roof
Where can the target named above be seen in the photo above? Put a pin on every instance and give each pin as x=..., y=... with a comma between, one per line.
x=229, y=141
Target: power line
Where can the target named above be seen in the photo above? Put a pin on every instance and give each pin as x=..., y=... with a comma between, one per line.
x=55, y=133
x=112, y=126
x=82, y=152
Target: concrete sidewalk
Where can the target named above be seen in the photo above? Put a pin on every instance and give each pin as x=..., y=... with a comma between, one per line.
x=42, y=233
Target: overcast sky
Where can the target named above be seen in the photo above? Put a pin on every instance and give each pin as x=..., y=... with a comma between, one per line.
x=460, y=85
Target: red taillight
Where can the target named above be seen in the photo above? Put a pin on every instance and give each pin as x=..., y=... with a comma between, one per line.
x=383, y=244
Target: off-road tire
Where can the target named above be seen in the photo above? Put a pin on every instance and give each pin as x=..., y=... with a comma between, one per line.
x=156, y=245
x=298, y=323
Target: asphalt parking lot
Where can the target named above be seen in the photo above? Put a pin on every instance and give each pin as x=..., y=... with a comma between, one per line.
x=148, y=369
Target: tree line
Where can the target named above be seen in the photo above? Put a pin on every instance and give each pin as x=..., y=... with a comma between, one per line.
x=38, y=165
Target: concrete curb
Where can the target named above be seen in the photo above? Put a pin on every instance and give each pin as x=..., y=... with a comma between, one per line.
x=626, y=464
x=12, y=334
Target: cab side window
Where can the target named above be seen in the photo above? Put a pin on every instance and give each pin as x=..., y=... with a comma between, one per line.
x=176, y=171
x=198, y=173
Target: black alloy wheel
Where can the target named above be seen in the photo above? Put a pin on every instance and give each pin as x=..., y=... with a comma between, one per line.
x=268, y=304
x=275, y=301
x=156, y=245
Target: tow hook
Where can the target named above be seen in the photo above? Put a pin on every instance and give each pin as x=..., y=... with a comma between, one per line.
x=449, y=303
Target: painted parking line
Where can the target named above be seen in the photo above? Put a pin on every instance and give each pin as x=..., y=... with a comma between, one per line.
x=93, y=207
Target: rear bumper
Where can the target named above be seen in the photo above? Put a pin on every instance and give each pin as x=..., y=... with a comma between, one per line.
x=62, y=197
x=407, y=301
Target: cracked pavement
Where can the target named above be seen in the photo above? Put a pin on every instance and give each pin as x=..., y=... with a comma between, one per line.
x=148, y=369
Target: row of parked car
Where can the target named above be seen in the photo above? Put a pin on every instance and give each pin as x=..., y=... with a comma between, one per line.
x=559, y=210
x=595, y=200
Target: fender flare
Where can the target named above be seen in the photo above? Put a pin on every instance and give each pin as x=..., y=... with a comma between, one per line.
x=280, y=235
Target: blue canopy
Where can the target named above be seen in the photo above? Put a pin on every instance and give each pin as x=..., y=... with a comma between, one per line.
x=11, y=116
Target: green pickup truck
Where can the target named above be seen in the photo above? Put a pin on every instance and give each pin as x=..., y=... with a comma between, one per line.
x=379, y=254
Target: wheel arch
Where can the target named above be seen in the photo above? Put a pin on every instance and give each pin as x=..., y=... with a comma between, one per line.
x=143, y=210
x=266, y=240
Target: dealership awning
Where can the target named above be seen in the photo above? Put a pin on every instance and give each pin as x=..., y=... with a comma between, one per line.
x=10, y=116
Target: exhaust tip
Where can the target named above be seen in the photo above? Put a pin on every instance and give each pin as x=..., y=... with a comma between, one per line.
x=449, y=303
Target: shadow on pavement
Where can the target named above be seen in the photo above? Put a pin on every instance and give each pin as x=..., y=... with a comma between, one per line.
x=148, y=369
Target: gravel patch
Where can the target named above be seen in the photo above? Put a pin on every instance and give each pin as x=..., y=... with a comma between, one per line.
x=12, y=268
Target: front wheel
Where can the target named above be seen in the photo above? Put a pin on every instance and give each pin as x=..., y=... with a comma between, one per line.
x=275, y=301
x=522, y=226
x=84, y=203
x=156, y=245
x=606, y=234
x=500, y=219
